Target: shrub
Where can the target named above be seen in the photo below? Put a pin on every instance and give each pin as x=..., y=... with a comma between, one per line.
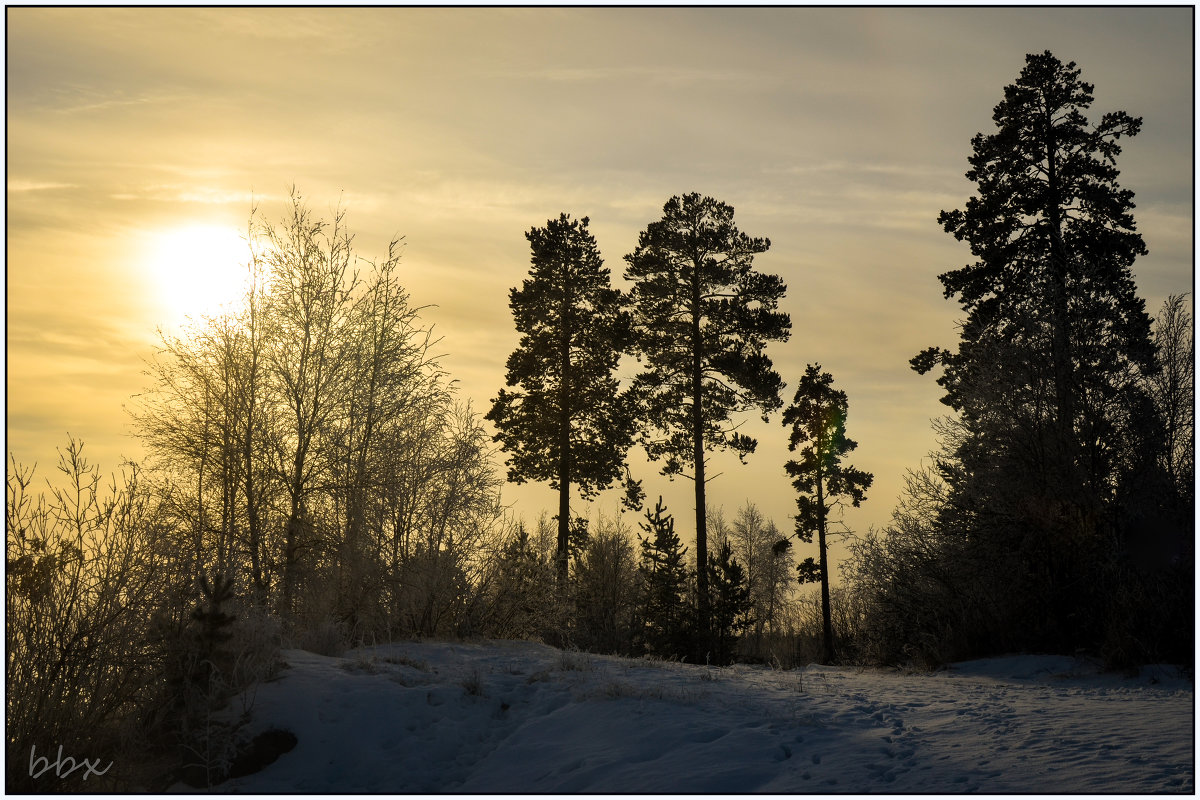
x=85, y=572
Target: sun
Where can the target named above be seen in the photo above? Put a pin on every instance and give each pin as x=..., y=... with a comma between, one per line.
x=197, y=269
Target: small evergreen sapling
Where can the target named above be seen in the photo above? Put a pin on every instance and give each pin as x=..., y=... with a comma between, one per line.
x=665, y=578
x=730, y=603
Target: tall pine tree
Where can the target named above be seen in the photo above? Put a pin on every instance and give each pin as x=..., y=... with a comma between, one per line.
x=1054, y=239
x=567, y=422
x=1053, y=420
x=703, y=317
x=818, y=419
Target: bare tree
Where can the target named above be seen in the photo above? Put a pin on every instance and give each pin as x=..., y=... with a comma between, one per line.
x=1173, y=389
x=316, y=447
x=309, y=265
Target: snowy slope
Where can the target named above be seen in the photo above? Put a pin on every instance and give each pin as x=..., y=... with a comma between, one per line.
x=519, y=717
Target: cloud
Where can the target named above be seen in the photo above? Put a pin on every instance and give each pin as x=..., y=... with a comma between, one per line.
x=183, y=193
x=655, y=75
x=100, y=104
x=17, y=185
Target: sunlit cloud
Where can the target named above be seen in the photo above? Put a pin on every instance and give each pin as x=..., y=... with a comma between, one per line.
x=25, y=185
x=664, y=76
x=199, y=194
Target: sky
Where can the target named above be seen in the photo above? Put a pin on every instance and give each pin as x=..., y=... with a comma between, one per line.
x=138, y=140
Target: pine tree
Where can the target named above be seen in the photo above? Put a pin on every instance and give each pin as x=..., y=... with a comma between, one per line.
x=703, y=317
x=567, y=423
x=665, y=629
x=1055, y=240
x=818, y=420
x=1054, y=427
x=730, y=602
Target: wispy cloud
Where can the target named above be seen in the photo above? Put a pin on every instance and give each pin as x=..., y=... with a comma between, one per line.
x=17, y=185
x=101, y=105
x=669, y=76
x=213, y=195
x=80, y=97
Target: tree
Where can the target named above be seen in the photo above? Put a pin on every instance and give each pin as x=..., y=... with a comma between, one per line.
x=703, y=317
x=567, y=423
x=750, y=542
x=524, y=601
x=1054, y=240
x=1055, y=429
x=1174, y=391
x=309, y=443
x=771, y=589
x=87, y=567
x=310, y=303
x=605, y=585
x=818, y=420
x=250, y=371
x=730, y=603
x=664, y=586
x=752, y=539
x=386, y=368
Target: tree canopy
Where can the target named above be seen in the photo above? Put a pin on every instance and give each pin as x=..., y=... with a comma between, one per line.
x=566, y=422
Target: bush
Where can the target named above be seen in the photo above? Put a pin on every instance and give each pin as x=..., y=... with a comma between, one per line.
x=85, y=572
x=103, y=657
x=212, y=664
x=606, y=591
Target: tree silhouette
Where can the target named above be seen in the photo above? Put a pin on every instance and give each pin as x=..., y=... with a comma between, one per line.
x=818, y=419
x=730, y=602
x=702, y=319
x=567, y=423
x=1054, y=239
x=1055, y=431
x=312, y=442
x=665, y=629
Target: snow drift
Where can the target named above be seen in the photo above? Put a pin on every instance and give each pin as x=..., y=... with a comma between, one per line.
x=520, y=717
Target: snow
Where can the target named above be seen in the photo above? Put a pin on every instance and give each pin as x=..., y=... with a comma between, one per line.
x=522, y=717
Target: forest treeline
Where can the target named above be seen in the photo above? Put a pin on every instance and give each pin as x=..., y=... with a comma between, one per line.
x=314, y=480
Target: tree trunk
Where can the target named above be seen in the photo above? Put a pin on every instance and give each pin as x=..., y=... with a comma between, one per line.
x=564, y=439
x=252, y=519
x=703, y=612
x=826, y=616
x=292, y=532
x=827, y=650
x=289, y=560
x=1061, y=339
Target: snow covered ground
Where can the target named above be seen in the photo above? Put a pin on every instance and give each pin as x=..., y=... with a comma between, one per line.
x=518, y=717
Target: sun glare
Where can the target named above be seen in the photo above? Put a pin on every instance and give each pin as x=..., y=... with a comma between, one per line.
x=198, y=269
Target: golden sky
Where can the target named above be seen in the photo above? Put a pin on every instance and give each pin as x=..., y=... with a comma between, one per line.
x=138, y=139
